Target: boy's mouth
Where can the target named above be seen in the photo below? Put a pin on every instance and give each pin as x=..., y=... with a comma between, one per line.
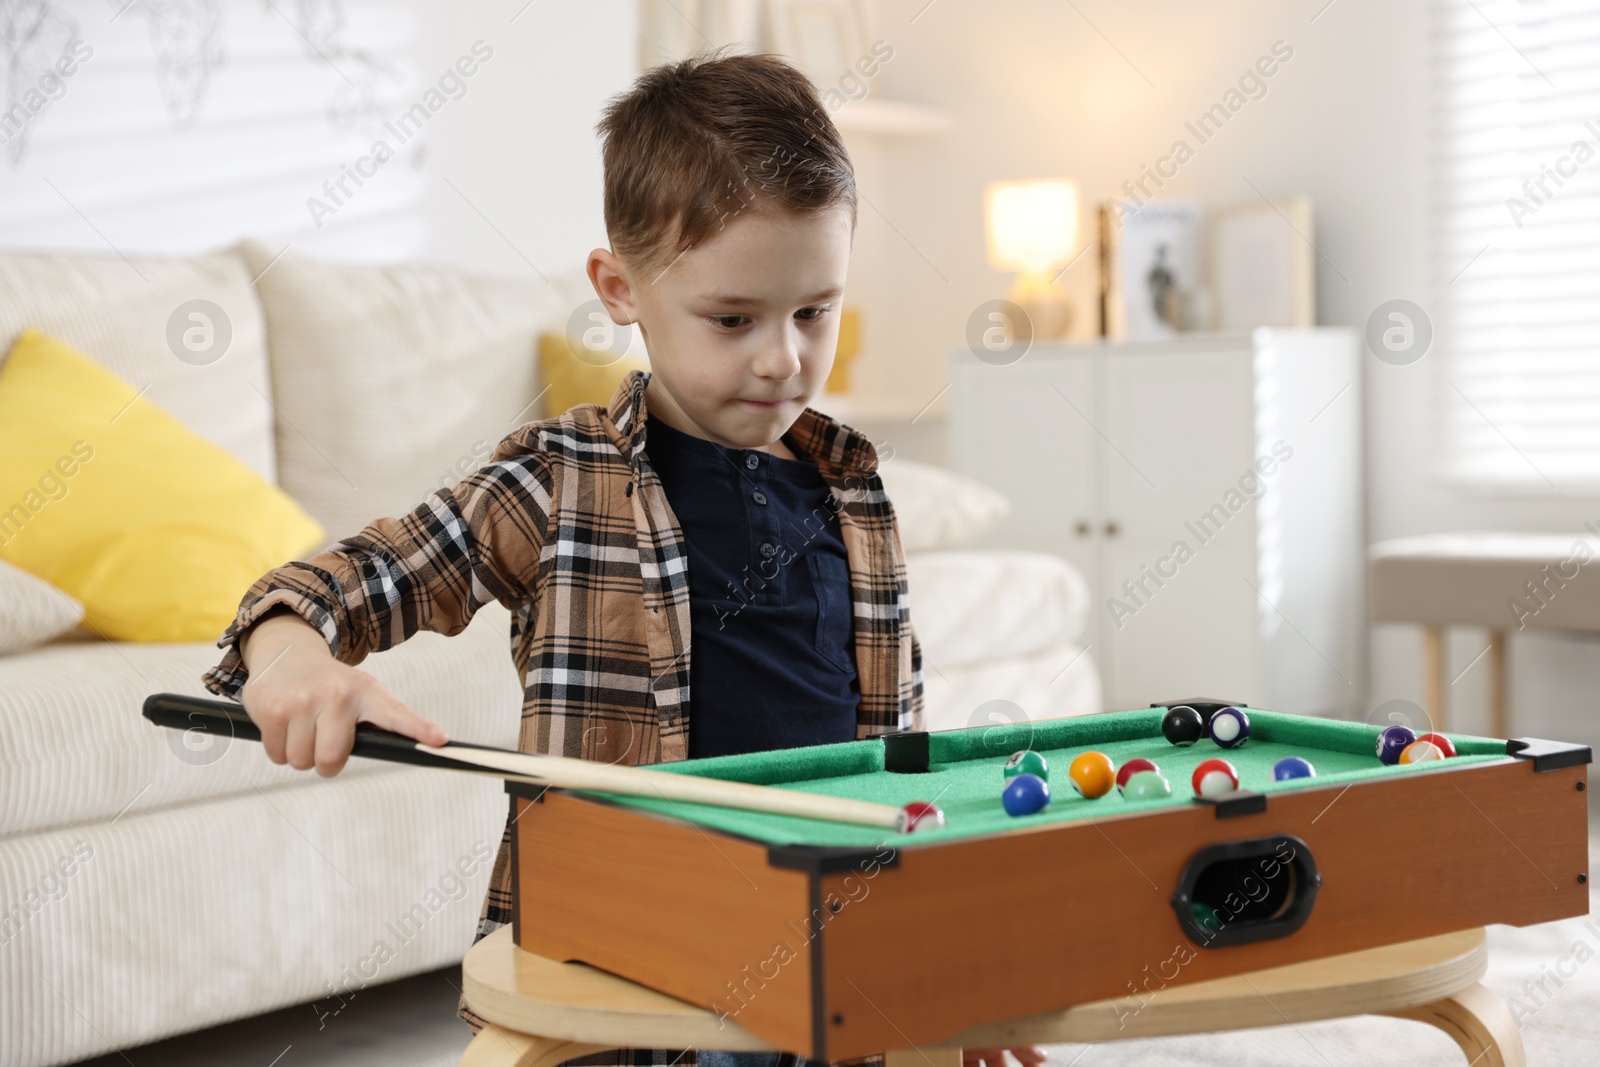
x=764, y=403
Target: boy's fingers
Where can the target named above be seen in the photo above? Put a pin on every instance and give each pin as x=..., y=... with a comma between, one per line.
x=299, y=746
x=389, y=713
x=270, y=726
x=272, y=738
x=1030, y=1054
x=335, y=734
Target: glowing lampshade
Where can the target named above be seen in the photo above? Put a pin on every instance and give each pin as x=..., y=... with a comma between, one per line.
x=1031, y=225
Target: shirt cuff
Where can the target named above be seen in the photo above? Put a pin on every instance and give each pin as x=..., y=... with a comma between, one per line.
x=228, y=677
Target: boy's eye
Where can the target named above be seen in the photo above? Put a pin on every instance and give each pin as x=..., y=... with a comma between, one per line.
x=733, y=322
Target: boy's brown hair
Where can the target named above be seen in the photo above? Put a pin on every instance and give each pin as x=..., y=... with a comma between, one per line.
x=698, y=140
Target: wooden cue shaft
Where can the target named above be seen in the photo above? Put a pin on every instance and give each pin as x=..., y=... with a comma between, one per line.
x=568, y=773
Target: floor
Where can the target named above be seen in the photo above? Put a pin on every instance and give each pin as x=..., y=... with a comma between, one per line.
x=412, y=1023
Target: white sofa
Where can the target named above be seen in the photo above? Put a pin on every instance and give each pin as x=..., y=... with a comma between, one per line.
x=149, y=888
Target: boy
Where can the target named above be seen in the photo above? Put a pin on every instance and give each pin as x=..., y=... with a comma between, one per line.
x=731, y=204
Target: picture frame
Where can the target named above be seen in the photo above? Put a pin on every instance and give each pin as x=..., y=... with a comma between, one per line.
x=820, y=37
x=1262, y=264
x=1151, y=288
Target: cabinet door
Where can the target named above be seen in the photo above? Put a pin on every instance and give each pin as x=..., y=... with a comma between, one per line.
x=1178, y=592
x=1025, y=430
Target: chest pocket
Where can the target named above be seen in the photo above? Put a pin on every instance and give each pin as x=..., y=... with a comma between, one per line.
x=835, y=639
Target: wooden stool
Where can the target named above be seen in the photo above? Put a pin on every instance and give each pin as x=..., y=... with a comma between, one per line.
x=542, y=1012
x=1499, y=581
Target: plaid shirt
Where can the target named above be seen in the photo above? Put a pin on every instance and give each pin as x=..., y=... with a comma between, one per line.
x=565, y=524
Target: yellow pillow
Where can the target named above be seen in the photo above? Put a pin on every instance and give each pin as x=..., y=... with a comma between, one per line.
x=157, y=531
x=572, y=381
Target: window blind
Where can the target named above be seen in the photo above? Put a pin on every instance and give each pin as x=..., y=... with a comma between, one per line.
x=154, y=129
x=1517, y=228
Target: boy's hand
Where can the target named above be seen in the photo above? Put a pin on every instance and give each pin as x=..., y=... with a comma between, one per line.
x=307, y=704
x=1027, y=1055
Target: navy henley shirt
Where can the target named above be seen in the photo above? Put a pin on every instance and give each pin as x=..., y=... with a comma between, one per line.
x=772, y=642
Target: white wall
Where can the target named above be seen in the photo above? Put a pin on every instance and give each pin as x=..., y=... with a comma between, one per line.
x=1096, y=89
x=515, y=175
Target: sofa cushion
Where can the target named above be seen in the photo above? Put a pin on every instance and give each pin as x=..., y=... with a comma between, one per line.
x=1048, y=683
x=75, y=748
x=937, y=508
x=165, y=922
x=391, y=382
x=157, y=531
x=571, y=379
x=134, y=317
x=32, y=611
x=972, y=606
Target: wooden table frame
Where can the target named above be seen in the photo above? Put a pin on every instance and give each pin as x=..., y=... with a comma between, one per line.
x=542, y=1012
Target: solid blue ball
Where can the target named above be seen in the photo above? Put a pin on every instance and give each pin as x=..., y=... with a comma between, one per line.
x=1025, y=794
x=1292, y=767
x=1393, y=741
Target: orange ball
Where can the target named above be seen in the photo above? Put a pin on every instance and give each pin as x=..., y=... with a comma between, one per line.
x=1093, y=774
x=1420, y=752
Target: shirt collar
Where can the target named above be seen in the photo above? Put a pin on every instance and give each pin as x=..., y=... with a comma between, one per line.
x=835, y=447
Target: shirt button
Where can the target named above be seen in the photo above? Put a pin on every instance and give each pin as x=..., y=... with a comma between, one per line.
x=767, y=550
x=759, y=498
x=752, y=461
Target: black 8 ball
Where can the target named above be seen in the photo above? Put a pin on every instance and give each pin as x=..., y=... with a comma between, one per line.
x=1182, y=726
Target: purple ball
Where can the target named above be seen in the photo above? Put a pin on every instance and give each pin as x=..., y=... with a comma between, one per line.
x=1229, y=727
x=1393, y=741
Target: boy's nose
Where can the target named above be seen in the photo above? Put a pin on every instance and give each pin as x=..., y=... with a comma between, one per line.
x=781, y=361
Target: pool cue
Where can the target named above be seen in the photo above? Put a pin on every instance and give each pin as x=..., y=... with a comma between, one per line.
x=228, y=719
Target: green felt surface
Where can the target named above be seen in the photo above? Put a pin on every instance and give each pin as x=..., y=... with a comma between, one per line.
x=965, y=778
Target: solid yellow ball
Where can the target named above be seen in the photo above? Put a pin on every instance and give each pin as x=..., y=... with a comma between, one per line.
x=1093, y=774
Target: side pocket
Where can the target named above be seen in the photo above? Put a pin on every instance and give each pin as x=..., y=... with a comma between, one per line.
x=835, y=636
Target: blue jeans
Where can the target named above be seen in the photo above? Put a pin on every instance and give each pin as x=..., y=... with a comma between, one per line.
x=749, y=1059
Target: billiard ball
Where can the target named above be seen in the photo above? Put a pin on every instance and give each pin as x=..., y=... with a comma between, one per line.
x=1420, y=751
x=1441, y=742
x=1393, y=741
x=1131, y=768
x=1214, y=778
x=1025, y=794
x=1291, y=767
x=1147, y=785
x=1093, y=774
x=1229, y=727
x=1182, y=726
x=918, y=815
x=1205, y=916
x=1026, y=762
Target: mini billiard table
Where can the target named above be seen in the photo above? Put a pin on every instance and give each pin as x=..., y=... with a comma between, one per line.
x=834, y=940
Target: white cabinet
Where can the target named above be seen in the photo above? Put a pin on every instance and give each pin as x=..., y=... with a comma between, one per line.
x=1209, y=489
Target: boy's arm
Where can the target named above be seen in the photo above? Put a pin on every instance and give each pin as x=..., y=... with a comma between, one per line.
x=429, y=569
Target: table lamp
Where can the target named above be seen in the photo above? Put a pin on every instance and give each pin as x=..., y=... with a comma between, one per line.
x=1032, y=228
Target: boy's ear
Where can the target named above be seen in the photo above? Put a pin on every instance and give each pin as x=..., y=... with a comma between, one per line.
x=609, y=276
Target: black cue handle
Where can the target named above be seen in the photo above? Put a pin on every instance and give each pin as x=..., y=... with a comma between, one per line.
x=228, y=719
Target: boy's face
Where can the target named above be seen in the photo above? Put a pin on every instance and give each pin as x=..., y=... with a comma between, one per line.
x=741, y=329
